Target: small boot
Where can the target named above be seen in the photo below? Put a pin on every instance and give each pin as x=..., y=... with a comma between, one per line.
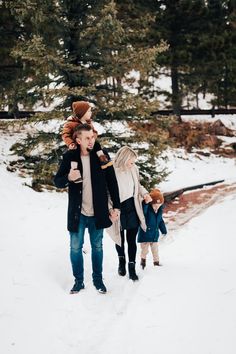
x=143, y=263
x=121, y=268
x=132, y=273
x=156, y=263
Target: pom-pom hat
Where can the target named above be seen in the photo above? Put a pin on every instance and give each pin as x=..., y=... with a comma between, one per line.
x=80, y=108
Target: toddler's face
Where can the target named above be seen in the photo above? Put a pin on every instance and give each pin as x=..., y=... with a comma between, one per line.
x=87, y=116
x=156, y=204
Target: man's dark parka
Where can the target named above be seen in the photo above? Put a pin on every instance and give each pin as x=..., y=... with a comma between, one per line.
x=103, y=182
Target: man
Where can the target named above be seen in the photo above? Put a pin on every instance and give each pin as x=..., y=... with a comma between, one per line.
x=88, y=203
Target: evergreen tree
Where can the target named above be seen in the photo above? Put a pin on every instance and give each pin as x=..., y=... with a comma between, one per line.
x=10, y=68
x=37, y=48
x=179, y=23
x=222, y=81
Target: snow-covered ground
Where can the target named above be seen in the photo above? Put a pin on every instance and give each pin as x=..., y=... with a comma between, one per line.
x=229, y=120
x=188, y=169
x=185, y=307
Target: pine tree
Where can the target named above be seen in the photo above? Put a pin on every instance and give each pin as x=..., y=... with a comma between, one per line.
x=10, y=68
x=37, y=48
x=179, y=23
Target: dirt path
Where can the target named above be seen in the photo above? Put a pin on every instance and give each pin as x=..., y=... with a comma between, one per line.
x=190, y=204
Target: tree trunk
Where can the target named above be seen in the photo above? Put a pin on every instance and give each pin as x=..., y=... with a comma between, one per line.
x=176, y=98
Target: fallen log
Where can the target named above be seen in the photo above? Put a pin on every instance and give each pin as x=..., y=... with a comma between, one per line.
x=169, y=196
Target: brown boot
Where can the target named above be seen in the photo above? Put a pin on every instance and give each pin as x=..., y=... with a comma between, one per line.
x=105, y=162
x=156, y=263
x=143, y=263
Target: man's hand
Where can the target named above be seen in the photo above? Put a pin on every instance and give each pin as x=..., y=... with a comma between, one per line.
x=114, y=214
x=147, y=198
x=74, y=174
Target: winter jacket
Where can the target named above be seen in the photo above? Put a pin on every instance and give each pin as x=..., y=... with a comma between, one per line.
x=69, y=127
x=139, y=192
x=154, y=222
x=103, y=181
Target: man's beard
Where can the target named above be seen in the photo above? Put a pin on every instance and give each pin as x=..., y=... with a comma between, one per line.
x=89, y=149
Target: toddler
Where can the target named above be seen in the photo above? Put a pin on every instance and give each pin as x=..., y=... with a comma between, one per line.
x=82, y=113
x=154, y=221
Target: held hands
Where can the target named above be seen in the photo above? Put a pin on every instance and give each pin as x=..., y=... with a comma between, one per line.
x=147, y=198
x=163, y=238
x=114, y=214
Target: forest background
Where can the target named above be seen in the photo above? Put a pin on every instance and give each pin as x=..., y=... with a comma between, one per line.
x=54, y=52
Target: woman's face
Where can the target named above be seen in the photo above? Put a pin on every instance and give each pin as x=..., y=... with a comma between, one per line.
x=130, y=162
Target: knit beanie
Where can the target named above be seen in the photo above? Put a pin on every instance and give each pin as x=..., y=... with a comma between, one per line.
x=80, y=108
x=156, y=195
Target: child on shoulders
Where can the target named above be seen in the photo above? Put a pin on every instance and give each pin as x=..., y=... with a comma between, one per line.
x=82, y=112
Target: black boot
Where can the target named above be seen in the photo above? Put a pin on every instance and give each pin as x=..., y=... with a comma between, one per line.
x=121, y=268
x=156, y=263
x=132, y=273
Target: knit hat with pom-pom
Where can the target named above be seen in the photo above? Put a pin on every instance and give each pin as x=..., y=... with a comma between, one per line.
x=157, y=196
x=80, y=108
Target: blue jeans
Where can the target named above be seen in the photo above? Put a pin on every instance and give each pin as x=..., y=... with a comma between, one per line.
x=76, y=245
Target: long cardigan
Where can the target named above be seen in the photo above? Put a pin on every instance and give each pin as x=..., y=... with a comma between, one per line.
x=103, y=181
x=154, y=222
x=139, y=192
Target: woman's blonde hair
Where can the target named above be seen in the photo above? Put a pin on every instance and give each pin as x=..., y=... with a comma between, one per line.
x=123, y=155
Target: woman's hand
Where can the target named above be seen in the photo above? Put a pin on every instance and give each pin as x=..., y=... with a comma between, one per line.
x=114, y=214
x=147, y=198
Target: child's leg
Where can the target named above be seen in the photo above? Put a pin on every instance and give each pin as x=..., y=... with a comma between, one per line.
x=144, y=252
x=155, y=253
x=104, y=160
x=144, y=249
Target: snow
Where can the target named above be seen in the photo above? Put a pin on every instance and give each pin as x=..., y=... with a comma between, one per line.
x=229, y=120
x=185, y=307
x=188, y=169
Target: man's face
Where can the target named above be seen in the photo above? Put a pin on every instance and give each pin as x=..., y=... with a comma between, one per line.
x=86, y=140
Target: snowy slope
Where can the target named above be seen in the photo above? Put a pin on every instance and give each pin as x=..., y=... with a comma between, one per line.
x=188, y=169
x=185, y=307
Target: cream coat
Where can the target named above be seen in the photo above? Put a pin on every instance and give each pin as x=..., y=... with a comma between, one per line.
x=139, y=192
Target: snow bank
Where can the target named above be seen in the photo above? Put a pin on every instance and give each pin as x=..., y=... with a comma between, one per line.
x=188, y=169
x=185, y=307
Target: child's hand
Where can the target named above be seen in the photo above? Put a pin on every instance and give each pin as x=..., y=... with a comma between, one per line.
x=147, y=198
x=72, y=146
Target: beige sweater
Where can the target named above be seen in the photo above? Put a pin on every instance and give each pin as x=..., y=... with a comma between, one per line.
x=138, y=194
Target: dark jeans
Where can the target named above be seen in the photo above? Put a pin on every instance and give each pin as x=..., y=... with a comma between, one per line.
x=76, y=245
x=132, y=246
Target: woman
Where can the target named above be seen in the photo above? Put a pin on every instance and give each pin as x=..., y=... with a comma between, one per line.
x=131, y=214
